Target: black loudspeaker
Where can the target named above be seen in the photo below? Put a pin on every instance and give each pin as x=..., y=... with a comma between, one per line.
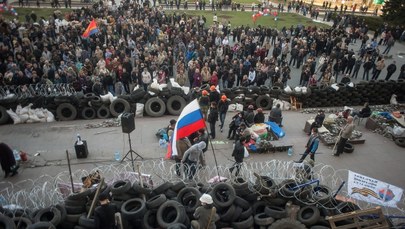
x=81, y=150
x=127, y=122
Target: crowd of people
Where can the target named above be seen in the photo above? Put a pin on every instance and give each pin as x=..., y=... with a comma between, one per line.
x=136, y=45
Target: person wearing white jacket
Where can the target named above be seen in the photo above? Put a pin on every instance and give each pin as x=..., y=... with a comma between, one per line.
x=252, y=76
x=321, y=61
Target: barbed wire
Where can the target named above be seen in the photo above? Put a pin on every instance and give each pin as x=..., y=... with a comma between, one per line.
x=50, y=190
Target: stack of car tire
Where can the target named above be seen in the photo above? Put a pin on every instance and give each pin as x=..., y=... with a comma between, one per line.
x=374, y=92
x=172, y=100
x=240, y=205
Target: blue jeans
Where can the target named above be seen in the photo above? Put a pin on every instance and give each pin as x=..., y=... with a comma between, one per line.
x=110, y=88
x=222, y=116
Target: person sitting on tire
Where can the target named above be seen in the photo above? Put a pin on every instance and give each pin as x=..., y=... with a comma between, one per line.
x=318, y=121
x=206, y=214
x=365, y=112
x=104, y=215
x=276, y=115
x=249, y=116
x=259, y=116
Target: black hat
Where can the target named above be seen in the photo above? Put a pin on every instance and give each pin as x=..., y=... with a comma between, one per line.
x=103, y=196
x=172, y=122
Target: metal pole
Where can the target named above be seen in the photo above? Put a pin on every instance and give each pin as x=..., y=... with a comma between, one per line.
x=140, y=181
x=212, y=147
x=130, y=149
x=305, y=184
x=70, y=171
x=340, y=188
x=213, y=152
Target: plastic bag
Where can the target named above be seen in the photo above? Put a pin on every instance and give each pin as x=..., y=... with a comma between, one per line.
x=107, y=97
x=139, y=110
x=14, y=116
x=287, y=89
x=246, y=152
x=162, y=143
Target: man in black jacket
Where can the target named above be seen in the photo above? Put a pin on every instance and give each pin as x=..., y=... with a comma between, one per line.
x=238, y=153
x=391, y=70
x=104, y=215
x=223, y=106
x=367, y=67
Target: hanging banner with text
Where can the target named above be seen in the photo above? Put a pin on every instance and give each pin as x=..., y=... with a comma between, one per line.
x=373, y=191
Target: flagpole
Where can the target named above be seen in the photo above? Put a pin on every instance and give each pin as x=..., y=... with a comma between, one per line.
x=213, y=152
x=212, y=147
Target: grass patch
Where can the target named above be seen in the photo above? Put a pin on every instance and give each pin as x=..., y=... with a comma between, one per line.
x=40, y=12
x=245, y=18
x=236, y=18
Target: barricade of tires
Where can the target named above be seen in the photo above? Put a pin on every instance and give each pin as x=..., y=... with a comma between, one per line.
x=240, y=205
x=373, y=92
x=66, y=104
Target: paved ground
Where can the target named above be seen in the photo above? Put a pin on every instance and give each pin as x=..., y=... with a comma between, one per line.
x=378, y=157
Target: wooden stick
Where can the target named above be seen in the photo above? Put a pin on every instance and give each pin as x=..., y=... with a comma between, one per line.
x=95, y=198
x=140, y=180
x=70, y=171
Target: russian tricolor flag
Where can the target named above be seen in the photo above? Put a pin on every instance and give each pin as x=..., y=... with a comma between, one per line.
x=91, y=29
x=189, y=121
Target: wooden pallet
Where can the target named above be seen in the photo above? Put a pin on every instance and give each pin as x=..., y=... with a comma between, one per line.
x=365, y=219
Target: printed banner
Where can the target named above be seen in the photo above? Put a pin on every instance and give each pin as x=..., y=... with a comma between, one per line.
x=373, y=191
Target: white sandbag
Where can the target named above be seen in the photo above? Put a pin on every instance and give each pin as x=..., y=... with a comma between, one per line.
x=24, y=117
x=335, y=86
x=287, y=89
x=139, y=110
x=304, y=90
x=174, y=83
x=393, y=100
x=154, y=84
x=297, y=89
x=106, y=98
x=161, y=86
x=112, y=98
x=277, y=101
x=33, y=117
x=50, y=117
x=136, y=87
x=18, y=110
x=351, y=84
x=286, y=105
x=39, y=113
x=14, y=116
x=186, y=90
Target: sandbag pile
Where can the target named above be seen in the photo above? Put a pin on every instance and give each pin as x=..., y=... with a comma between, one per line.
x=28, y=115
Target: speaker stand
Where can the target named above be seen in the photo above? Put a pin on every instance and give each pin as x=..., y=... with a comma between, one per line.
x=131, y=152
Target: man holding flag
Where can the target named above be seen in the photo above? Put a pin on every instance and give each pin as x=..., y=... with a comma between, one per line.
x=190, y=120
x=91, y=29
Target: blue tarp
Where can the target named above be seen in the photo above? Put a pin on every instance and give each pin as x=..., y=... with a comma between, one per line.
x=276, y=129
